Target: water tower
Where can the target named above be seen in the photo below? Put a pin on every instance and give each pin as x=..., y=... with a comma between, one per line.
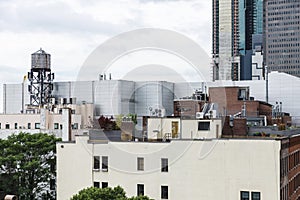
x=40, y=78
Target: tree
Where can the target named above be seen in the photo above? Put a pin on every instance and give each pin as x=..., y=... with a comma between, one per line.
x=27, y=164
x=107, y=123
x=116, y=193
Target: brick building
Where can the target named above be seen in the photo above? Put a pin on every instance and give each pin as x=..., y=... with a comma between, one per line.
x=231, y=101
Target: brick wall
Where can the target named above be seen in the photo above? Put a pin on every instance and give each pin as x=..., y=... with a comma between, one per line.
x=227, y=100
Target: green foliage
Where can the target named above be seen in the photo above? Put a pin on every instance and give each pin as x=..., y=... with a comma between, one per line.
x=119, y=119
x=133, y=117
x=139, y=198
x=25, y=164
x=116, y=193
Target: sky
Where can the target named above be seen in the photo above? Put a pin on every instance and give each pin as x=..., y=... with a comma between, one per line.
x=70, y=30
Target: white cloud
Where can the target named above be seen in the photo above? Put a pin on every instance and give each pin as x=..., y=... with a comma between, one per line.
x=70, y=30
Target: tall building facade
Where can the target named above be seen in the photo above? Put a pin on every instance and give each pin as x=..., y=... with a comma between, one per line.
x=282, y=36
x=225, y=40
x=235, y=23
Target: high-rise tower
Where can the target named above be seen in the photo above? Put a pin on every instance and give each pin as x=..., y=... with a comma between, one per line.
x=225, y=40
x=235, y=22
x=41, y=78
x=282, y=36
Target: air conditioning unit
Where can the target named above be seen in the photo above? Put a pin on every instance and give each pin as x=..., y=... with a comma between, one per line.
x=199, y=115
x=213, y=113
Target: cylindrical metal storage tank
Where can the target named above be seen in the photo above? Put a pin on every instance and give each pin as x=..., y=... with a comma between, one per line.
x=73, y=100
x=61, y=101
x=65, y=101
x=40, y=60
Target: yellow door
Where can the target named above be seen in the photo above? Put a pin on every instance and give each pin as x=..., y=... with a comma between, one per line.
x=174, y=129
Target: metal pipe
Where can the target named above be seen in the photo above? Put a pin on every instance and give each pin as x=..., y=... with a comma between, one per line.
x=267, y=84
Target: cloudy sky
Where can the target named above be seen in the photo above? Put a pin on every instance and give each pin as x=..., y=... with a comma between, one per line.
x=71, y=29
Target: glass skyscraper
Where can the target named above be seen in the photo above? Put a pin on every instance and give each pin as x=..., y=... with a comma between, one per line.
x=235, y=23
x=282, y=36
x=250, y=27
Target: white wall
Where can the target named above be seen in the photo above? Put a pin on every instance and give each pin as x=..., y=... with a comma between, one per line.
x=199, y=169
x=190, y=129
x=45, y=120
x=158, y=127
x=74, y=171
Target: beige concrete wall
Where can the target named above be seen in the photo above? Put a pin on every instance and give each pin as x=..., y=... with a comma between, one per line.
x=200, y=169
x=22, y=120
x=158, y=127
x=74, y=167
x=190, y=129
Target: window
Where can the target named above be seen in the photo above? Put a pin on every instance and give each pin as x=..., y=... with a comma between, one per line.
x=16, y=125
x=203, y=126
x=37, y=125
x=0, y=126
x=61, y=126
x=140, y=164
x=56, y=125
x=164, y=165
x=29, y=126
x=255, y=195
x=104, y=184
x=75, y=126
x=97, y=184
x=6, y=126
x=245, y=195
x=164, y=192
x=96, y=162
x=243, y=94
x=140, y=189
x=104, y=163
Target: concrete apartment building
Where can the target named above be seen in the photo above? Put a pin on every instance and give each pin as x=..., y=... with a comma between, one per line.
x=240, y=168
x=65, y=121
x=282, y=36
